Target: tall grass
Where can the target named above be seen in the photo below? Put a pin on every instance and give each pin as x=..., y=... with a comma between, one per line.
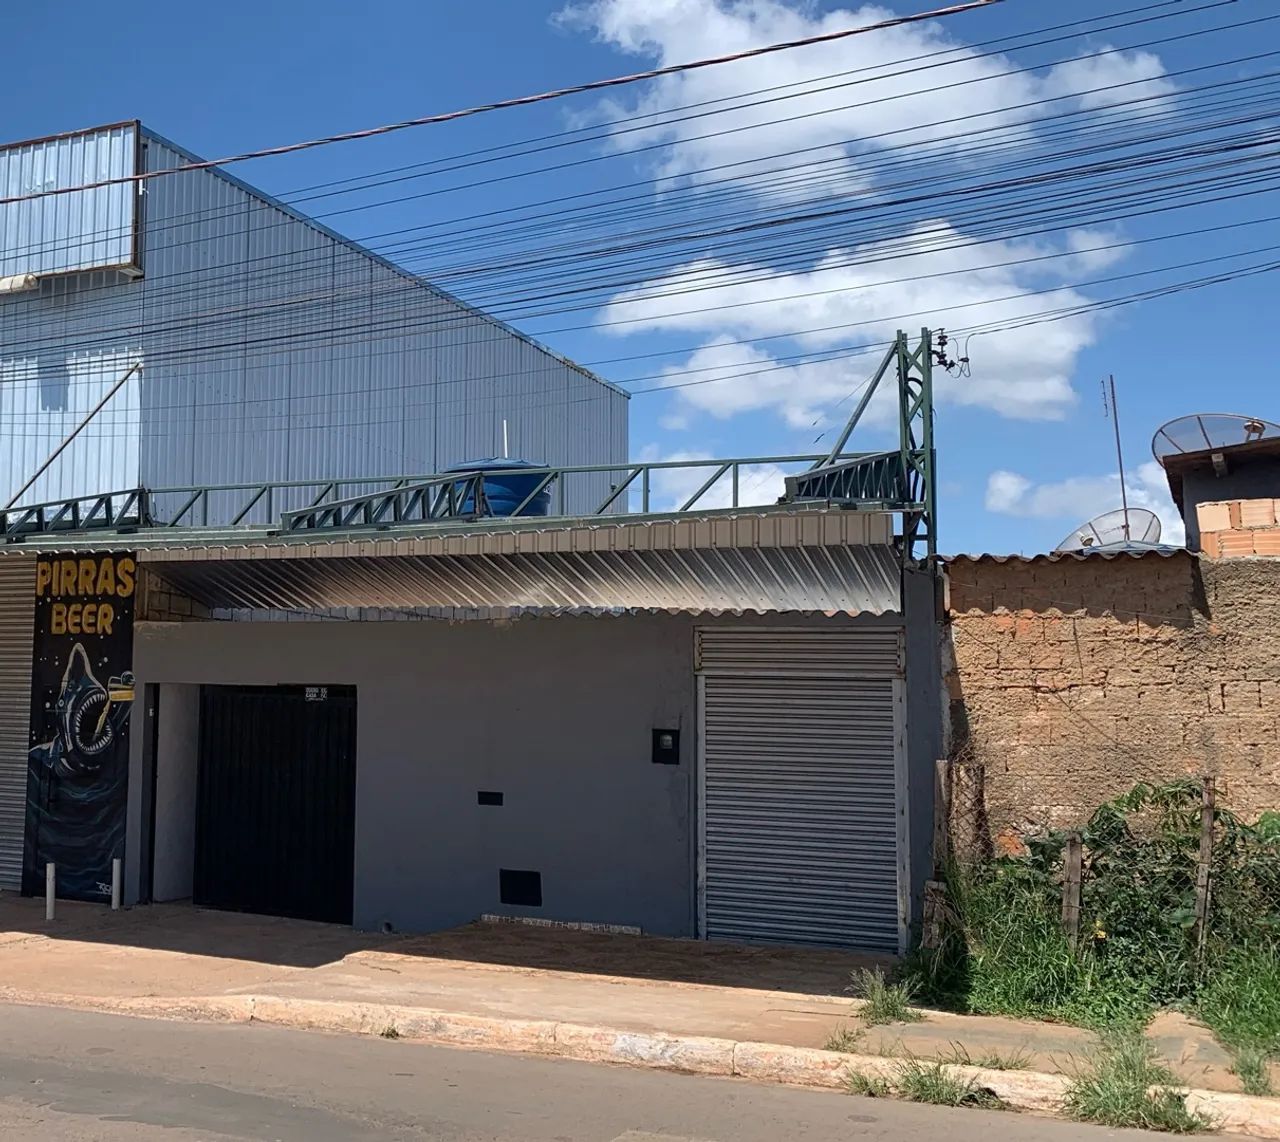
x=882, y=1001
x=1240, y=1001
x=923, y=1080
x=1125, y=1085
x=1005, y=954
x=1004, y=951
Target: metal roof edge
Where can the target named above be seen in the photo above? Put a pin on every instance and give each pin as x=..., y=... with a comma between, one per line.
x=1058, y=556
x=77, y=134
x=161, y=538
x=352, y=244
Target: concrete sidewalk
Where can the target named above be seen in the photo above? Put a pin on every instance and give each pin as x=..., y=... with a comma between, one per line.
x=758, y=1011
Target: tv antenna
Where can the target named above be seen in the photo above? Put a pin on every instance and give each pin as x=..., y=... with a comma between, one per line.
x=1109, y=408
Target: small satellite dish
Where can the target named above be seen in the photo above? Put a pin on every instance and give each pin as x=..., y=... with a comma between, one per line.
x=1115, y=531
x=1208, y=431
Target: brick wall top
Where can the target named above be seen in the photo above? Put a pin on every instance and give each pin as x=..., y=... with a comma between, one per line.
x=1071, y=679
x=1152, y=588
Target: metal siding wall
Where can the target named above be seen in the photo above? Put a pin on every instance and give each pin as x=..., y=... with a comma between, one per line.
x=272, y=351
x=17, y=619
x=67, y=232
x=350, y=368
x=799, y=799
x=61, y=350
x=194, y=233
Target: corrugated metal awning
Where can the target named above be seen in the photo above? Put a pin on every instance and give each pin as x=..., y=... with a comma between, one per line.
x=823, y=579
x=806, y=561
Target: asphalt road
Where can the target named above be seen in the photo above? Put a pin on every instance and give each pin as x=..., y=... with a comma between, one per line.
x=75, y=1076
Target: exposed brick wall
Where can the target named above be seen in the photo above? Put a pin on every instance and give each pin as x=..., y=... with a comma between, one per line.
x=1074, y=678
x=1230, y=529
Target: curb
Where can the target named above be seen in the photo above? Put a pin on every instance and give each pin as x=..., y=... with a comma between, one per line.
x=1032, y=1091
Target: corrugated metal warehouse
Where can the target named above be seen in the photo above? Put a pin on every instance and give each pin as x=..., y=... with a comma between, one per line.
x=380, y=705
x=271, y=348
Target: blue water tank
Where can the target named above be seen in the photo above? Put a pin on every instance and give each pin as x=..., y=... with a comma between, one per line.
x=507, y=488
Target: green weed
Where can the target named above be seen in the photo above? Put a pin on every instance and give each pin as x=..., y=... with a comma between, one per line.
x=869, y=1086
x=1125, y=1085
x=1240, y=998
x=390, y=1031
x=918, y=1080
x=1004, y=952
x=883, y=1002
x=959, y=1054
x=1251, y=1066
x=846, y=1039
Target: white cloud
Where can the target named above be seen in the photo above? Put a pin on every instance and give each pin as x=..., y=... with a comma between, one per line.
x=1080, y=498
x=1106, y=80
x=758, y=484
x=1024, y=373
x=874, y=98
x=1007, y=492
x=860, y=296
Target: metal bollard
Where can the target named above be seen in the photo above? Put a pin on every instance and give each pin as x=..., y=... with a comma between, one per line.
x=115, y=883
x=50, y=889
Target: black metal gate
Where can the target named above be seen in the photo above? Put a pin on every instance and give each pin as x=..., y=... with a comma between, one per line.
x=275, y=809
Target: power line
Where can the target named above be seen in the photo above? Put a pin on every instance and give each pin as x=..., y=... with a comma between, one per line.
x=521, y=101
x=968, y=52
x=394, y=325
x=874, y=78
x=410, y=285
x=1006, y=324
x=1106, y=88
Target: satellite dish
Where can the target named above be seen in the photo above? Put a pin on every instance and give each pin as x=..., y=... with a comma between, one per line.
x=1209, y=431
x=1115, y=531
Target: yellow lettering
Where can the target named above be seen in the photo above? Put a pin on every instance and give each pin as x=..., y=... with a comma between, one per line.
x=106, y=616
x=65, y=574
x=44, y=574
x=107, y=576
x=88, y=577
x=73, y=618
x=58, y=618
x=89, y=619
x=124, y=577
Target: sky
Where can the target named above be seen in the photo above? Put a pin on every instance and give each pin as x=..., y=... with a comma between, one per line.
x=1025, y=452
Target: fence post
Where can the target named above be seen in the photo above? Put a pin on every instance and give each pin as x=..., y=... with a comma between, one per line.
x=941, y=815
x=1204, y=866
x=935, y=890
x=1072, y=876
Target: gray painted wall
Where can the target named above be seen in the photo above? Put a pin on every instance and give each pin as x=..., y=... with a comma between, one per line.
x=924, y=723
x=176, y=749
x=554, y=713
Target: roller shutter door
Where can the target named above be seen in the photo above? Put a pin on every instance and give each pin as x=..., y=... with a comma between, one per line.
x=800, y=826
x=17, y=620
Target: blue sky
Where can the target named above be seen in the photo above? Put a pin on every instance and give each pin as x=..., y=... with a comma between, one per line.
x=1024, y=450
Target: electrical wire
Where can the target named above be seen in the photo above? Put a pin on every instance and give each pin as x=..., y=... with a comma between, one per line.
x=1104, y=90
x=205, y=284
x=521, y=101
